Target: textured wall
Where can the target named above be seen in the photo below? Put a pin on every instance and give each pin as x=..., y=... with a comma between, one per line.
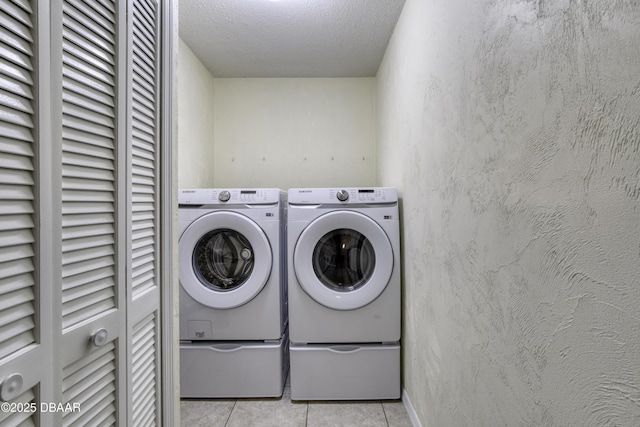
x=512, y=129
x=294, y=132
x=195, y=121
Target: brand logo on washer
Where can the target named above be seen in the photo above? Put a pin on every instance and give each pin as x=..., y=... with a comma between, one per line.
x=304, y=191
x=188, y=191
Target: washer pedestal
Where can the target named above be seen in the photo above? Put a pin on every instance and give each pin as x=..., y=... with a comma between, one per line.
x=233, y=369
x=345, y=371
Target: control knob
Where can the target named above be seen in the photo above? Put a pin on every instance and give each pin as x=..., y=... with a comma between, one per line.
x=342, y=195
x=224, y=196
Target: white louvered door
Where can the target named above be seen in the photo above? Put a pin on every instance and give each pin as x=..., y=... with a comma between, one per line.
x=80, y=221
x=93, y=210
x=25, y=339
x=143, y=292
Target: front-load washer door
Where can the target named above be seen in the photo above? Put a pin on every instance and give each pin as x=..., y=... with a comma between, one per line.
x=225, y=259
x=343, y=260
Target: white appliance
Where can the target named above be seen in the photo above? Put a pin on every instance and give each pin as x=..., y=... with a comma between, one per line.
x=233, y=292
x=344, y=293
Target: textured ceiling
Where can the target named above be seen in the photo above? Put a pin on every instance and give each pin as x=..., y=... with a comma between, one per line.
x=289, y=38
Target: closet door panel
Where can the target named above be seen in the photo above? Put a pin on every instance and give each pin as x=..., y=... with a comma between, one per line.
x=144, y=294
x=93, y=212
x=21, y=349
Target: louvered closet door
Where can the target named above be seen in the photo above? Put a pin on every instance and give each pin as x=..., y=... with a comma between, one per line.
x=24, y=335
x=94, y=214
x=144, y=291
x=79, y=211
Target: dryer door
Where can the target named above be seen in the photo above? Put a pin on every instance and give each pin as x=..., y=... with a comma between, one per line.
x=225, y=259
x=343, y=260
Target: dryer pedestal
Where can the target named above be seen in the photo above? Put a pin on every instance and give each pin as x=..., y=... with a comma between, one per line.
x=233, y=369
x=345, y=371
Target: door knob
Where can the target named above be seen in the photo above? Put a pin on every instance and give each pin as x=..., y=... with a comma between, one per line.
x=99, y=338
x=11, y=387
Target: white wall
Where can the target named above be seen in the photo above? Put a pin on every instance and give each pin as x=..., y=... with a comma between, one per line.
x=512, y=130
x=195, y=121
x=294, y=132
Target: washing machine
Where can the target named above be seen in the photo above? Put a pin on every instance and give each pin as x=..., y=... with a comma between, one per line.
x=233, y=292
x=344, y=293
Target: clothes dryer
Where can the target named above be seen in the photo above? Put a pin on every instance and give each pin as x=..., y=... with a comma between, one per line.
x=233, y=292
x=344, y=293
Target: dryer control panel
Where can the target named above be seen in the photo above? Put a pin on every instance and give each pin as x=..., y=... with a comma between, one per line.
x=231, y=196
x=343, y=196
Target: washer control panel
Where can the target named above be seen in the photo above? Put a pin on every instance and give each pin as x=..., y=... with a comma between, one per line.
x=343, y=195
x=215, y=196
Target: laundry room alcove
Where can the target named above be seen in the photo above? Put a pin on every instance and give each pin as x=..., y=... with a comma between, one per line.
x=280, y=93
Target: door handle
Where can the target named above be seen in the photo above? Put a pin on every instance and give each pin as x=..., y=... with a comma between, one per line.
x=99, y=337
x=11, y=387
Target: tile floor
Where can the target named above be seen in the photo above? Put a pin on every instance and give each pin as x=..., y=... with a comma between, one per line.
x=284, y=412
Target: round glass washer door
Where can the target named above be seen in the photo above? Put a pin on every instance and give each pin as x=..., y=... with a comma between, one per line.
x=343, y=260
x=225, y=259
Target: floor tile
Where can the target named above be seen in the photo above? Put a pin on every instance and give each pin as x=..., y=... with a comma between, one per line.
x=268, y=413
x=396, y=414
x=205, y=413
x=346, y=414
x=283, y=412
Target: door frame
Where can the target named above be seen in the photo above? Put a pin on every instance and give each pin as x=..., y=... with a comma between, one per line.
x=169, y=345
